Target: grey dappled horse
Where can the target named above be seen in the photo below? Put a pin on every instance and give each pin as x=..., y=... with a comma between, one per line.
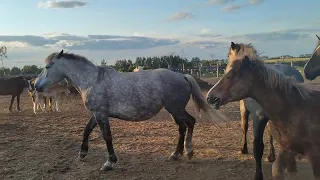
x=134, y=96
x=250, y=108
x=312, y=67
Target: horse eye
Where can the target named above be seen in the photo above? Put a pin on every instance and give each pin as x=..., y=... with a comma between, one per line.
x=47, y=67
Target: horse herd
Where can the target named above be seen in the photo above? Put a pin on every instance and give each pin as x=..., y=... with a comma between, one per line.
x=270, y=95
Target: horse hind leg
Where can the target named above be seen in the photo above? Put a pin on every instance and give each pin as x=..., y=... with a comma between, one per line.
x=184, y=120
x=18, y=103
x=259, y=123
x=244, y=112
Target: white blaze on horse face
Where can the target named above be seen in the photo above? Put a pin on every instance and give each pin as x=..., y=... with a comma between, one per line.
x=218, y=82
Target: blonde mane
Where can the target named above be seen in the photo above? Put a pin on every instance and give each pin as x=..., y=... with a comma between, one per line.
x=239, y=51
x=275, y=79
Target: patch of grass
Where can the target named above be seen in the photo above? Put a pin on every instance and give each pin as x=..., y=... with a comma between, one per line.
x=286, y=60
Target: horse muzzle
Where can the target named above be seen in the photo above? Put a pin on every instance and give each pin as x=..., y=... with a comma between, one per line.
x=40, y=86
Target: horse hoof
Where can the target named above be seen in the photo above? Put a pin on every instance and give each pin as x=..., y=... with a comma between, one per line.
x=83, y=154
x=190, y=154
x=106, y=168
x=244, y=151
x=258, y=176
x=271, y=158
x=174, y=157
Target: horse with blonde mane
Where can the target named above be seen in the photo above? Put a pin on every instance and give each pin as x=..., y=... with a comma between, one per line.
x=251, y=108
x=52, y=93
x=137, y=69
x=128, y=96
x=292, y=107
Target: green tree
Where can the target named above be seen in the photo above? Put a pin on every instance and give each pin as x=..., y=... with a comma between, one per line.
x=15, y=71
x=31, y=69
x=4, y=72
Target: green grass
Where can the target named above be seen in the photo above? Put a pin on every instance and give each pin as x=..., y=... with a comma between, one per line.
x=286, y=60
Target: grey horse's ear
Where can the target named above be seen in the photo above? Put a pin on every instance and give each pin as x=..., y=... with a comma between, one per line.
x=59, y=54
x=318, y=37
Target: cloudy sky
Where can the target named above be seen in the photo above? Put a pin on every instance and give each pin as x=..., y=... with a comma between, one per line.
x=116, y=29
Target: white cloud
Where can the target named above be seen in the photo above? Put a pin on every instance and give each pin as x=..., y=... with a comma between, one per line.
x=213, y=2
x=61, y=4
x=180, y=16
x=89, y=42
x=231, y=7
x=33, y=49
x=255, y=1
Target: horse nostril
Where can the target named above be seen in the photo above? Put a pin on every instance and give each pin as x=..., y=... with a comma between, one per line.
x=208, y=98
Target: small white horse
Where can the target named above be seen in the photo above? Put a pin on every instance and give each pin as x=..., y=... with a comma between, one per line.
x=137, y=69
x=52, y=92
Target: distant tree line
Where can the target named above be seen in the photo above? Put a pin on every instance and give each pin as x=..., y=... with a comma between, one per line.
x=174, y=62
x=171, y=62
x=25, y=70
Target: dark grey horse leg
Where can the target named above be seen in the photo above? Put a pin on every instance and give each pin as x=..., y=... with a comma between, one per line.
x=180, y=146
x=188, y=143
x=86, y=133
x=271, y=156
x=259, y=124
x=184, y=121
x=18, y=103
x=244, y=126
x=12, y=100
x=103, y=122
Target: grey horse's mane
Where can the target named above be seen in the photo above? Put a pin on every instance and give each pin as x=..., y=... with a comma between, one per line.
x=70, y=56
x=273, y=78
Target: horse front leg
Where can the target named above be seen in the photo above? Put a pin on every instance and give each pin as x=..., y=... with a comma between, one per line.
x=284, y=160
x=86, y=133
x=11, y=102
x=314, y=159
x=103, y=122
x=271, y=156
x=259, y=124
x=244, y=113
x=57, y=103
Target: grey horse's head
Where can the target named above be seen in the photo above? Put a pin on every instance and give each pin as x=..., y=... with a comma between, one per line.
x=52, y=73
x=312, y=67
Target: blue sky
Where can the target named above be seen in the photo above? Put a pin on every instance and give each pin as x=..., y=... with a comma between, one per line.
x=119, y=29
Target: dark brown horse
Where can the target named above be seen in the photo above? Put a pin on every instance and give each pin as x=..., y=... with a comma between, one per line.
x=249, y=108
x=13, y=86
x=292, y=107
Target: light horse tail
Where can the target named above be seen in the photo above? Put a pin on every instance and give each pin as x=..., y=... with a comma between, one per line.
x=200, y=101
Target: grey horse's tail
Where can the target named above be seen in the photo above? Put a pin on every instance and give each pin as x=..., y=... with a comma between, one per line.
x=196, y=94
x=200, y=101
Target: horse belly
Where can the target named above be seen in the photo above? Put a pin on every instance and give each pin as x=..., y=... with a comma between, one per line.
x=135, y=113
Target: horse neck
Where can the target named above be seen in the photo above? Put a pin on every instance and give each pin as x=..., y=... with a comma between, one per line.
x=272, y=100
x=81, y=76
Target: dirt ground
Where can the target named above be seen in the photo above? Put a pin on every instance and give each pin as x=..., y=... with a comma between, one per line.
x=45, y=146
